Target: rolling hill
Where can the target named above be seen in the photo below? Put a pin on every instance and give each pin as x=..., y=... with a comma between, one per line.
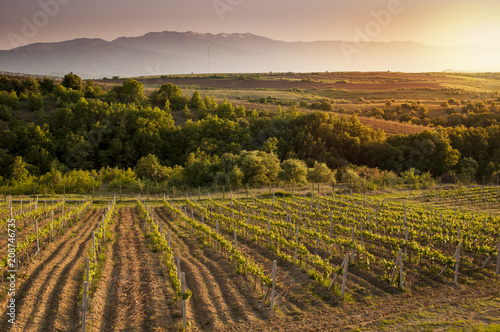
x=169, y=52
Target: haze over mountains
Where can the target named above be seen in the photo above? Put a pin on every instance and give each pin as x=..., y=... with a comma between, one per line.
x=162, y=53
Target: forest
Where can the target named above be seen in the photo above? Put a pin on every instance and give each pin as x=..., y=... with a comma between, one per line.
x=74, y=136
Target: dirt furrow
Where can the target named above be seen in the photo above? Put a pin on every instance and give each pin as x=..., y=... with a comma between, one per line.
x=232, y=290
x=39, y=295
x=158, y=290
x=132, y=294
x=62, y=298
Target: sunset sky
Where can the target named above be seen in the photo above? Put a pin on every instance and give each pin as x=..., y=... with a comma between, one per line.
x=436, y=22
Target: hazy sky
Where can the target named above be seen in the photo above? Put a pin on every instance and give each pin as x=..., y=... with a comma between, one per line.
x=437, y=22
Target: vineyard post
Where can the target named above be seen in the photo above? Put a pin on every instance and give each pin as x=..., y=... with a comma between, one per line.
x=183, y=290
x=179, y=267
x=168, y=238
x=217, y=232
x=353, y=243
x=37, y=240
x=406, y=242
x=87, y=269
x=400, y=257
x=296, y=241
x=235, y=241
x=344, y=276
x=274, y=284
x=84, y=306
x=331, y=223
x=93, y=244
x=268, y=229
x=317, y=238
x=361, y=228
x=455, y=280
x=52, y=225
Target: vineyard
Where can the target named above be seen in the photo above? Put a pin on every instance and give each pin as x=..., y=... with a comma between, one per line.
x=273, y=261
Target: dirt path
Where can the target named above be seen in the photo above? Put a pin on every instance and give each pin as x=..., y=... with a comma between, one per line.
x=221, y=299
x=48, y=298
x=134, y=293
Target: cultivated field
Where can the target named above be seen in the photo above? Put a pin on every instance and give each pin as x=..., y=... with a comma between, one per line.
x=409, y=261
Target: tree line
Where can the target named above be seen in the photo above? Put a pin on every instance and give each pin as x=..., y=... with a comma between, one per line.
x=85, y=136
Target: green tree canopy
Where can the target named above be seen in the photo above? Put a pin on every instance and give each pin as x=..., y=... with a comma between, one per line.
x=72, y=81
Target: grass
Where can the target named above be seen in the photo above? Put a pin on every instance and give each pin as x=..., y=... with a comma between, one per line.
x=477, y=315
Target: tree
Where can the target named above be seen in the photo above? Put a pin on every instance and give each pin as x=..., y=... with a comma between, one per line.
x=170, y=90
x=72, y=81
x=321, y=173
x=260, y=168
x=132, y=92
x=225, y=110
x=35, y=102
x=294, y=171
x=468, y=166
x=195, y=101
x=47, y=85
x=92, y=90
x=270, y=145
x=236, y=177
x=186, y=112
x=150, y=168
x=19, y=171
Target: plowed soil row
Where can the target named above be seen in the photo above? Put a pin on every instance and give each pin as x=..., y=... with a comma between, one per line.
x=134, y=293
x=222, y=300
x=47, y=299
x=307, y=306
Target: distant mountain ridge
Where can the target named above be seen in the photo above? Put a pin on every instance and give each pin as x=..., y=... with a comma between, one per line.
x=170, y=52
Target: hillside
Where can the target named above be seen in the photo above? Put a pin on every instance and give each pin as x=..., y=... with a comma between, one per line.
x=171, y=52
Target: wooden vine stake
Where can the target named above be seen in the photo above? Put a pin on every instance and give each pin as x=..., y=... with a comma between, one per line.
x=37, y=239
x=93, y=244
x=344, y=276
x=274, y=285
x=342, y=266
x=183, y=290
x=398, y=266
x=406, y=242
x=217, y=231
x=52, y=225
x=331, y=223
x=457, y=254
x=84, y=305
x=296, y=241
x=489, y=257
x=179, y=277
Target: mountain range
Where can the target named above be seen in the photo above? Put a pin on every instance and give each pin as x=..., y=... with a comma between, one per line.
x=169, y=52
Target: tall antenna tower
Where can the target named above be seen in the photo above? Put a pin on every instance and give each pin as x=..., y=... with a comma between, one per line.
x=209, y=59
